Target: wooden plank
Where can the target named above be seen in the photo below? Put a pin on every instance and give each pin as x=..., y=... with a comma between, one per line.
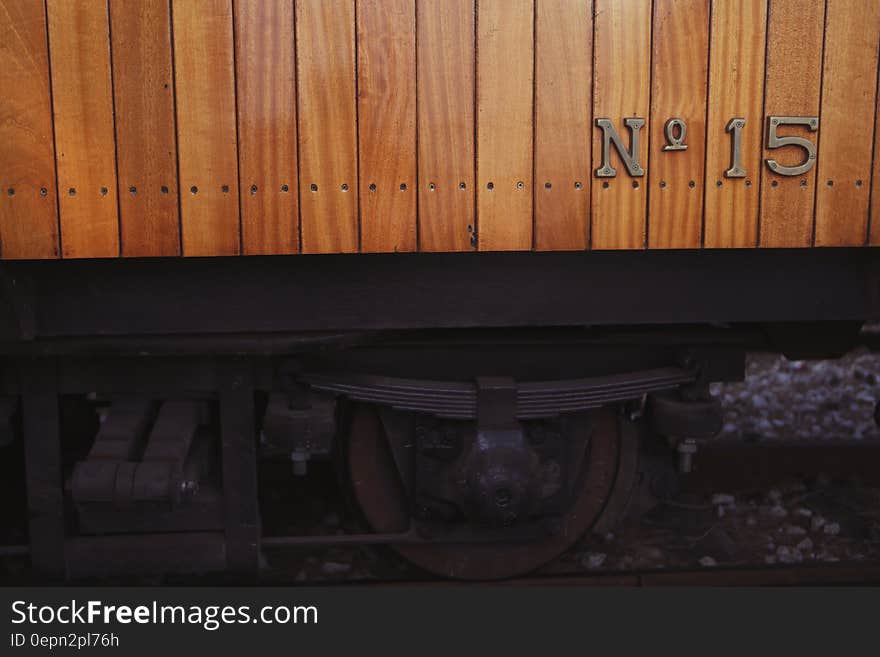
x=327, y=125
x=146, y=145
x=79, y=49
x=207, y=148
x=736, y=90
x=446, y=50
x=622, y=88
x=28, y=194
x=505, y=72
x=793, y=82
x=849, y=96
x=563, y=100
x=874, y=235
x=680, y=63
x=264, y=57
x=386, y=37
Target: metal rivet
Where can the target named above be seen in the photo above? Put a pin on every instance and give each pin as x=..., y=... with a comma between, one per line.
x=44, y=191
x=104, y=191
x=858, y=183
x=132, y=190
x=692, y=184
x=194, y=189
x=718, y=183
x=344, y=187
x=490, y=186
x=372, y=187
x=432, y=186
x=547, y=185
x=662, y=184
x=462, y=186
x=803, y=182
x=164, y=189
x=225, y=189
x=748, y=183
x=831, y=183
x=605, y=184
x=775, y=183
x=635, y=184
x=284, y=188
x=313, y=187
x=403, y=187
x=520, y=184
x=253, y=189
x=578, y=184
x=71, y=191
x=10, y=191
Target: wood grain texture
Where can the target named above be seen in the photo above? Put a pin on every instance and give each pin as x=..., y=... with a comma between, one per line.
x=146, y=146
x=621, y=88
x=505, y=73
x=849, y=97
x=28, y=194
x=793, y=83
x=79, y=49
x=446, y=47
x=266, y=88
x=325, y=31
x=736, y=89
x=206, y=130
x=680, y=62
x=386, y=37
x=563, y=104
x=874, y=233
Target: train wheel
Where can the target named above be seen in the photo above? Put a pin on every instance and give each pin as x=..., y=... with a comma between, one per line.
x=383, y=491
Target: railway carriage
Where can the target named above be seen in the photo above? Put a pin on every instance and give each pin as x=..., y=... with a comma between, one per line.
x=483, y=254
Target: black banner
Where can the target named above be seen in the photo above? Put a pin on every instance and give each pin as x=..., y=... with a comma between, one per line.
x=418, y=619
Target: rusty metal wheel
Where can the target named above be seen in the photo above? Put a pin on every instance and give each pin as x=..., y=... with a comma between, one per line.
x=380, y=491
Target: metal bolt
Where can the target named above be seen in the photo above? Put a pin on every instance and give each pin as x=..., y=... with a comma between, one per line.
x=686, y=449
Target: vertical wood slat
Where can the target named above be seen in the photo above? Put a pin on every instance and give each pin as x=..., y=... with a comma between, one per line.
x=266, y=80
x=79, y=50
x=206, y=128
x=621, y=88
x=793, y=81
x=386, y=38
x=446, y=50
x=680, y=63
x=563, y=101
x=505, y=72
x=28, y=192
x=327, y=125
x=146, y=146
x=874, y=234
x=849, y=89
x=736, y=84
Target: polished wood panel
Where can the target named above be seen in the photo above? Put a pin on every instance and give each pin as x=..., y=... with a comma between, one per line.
x=266, y=88
x=207, y=145
x=446, y=97
x=505, y=72
x=226, y=127
x=386, y=37
x=146, y=142
x=849, y=101
x=678, y=89
x=736, y=89
x=793, y=83
x=28, y=193
x=621, y=89
x=325, y=32
x=563, y=105
x=79, y=49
